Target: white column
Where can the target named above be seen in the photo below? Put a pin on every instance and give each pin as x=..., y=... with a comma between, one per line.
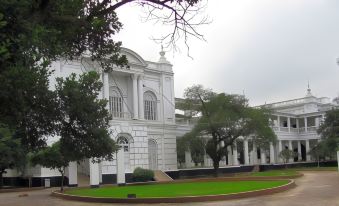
x=279, y=151
x=299, y=151
x=308, y=157
x=254, y=154
x=229, y=155
x=272, y=158
x=278, y=120
x=305, y=120
x=72, y=174
x=121, y=180
x=94, y=174
x=289, y=124
x=188, y=159
x=100, y=172
x=290, y=148
x=235, y=154
x=135, y=96
x=247, y=161
x=106, y=88
x=297, y=122
x=141, y=96
x=262, y=156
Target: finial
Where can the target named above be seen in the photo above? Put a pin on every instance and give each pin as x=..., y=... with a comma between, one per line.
x=162, y=56
x=308, y=89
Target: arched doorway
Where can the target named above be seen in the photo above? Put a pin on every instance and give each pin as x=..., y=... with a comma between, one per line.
x=125, y=147
x=152, y=155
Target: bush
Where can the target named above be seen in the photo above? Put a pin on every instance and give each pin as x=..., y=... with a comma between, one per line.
x=142, y=175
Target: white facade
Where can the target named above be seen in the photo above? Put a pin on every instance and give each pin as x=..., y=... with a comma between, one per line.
x=141, y=104
x=295, y=122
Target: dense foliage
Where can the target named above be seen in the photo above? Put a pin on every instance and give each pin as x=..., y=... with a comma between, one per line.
x=142, y=175
x=225, y=119
x=329, y=131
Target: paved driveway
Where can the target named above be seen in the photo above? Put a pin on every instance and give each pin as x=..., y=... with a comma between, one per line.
x=315, y=188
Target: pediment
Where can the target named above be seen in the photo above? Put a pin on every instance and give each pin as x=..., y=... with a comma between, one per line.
x=133, y=57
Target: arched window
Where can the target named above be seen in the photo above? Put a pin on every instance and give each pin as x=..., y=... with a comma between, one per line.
x=115, y=102
x=150, y=106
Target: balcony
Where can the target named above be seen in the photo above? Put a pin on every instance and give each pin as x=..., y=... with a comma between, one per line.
x=310, y=129
x=120, y=115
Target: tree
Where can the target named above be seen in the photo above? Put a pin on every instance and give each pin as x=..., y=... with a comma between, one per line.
x=197, y=149
x=52, y=157
x=34, y=33
x=319, y=151
x=10, y=152
x=286, y=155
x=329, y=131
x=226, y=118
x=181, y=149
x=83, y=118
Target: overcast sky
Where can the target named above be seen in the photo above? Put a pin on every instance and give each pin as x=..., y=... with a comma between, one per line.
x=268, y=49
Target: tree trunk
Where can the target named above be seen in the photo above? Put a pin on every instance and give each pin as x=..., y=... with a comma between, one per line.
x=62, y=179
x=1, y=179
x=216, y=168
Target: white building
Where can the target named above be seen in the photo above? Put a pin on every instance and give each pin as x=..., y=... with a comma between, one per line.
x=295, y=122
x=141, y=103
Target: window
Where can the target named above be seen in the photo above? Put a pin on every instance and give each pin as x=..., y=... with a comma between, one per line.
x=115, y=103
x=150, y=106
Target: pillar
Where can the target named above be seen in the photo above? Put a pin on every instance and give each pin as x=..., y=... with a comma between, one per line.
x=254, y=154
x=188, y=159
x=135, y=96
x=72, y=174
x=279, y=150
x=262, y=156
x=229, y=155
x=246, y=157
x=290, y=147
x=235, y=154
x=141, y=96
x=299, y=151
x=305, y=120
x=121, y=180
x=106, y=88
x=278, y=120
x=308, y=157
x=289, y=124
x=94, y=178
x=272, y=158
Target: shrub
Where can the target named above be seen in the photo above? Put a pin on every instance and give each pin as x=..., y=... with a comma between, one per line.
x=142, y=175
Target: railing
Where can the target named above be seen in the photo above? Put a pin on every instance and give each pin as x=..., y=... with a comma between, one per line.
x=284, y=129
x=120, y=115
x=295, y=130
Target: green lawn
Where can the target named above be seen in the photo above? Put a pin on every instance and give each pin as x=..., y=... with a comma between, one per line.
x=177, y=189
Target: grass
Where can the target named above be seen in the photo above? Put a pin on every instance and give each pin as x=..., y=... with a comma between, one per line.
x=177, y=189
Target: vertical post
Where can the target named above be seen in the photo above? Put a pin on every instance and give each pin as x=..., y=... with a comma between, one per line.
x=297, y=122
x=72, y=174
x=106, y=88
x=141, y=96
x=94, y=174
x=272, y=158
x=121, y=180
x=254, y=154
x=308, y=157
x=278, y=119
x=235, y=154
x=305, y=120
x=188, y=159
x=247, y=161
x=135, y=96
x=299, y=151
x=262, y=156
x=279, y=150
x=290, y=147
x=338, y=159
x=289, y=124
x=229, y=155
